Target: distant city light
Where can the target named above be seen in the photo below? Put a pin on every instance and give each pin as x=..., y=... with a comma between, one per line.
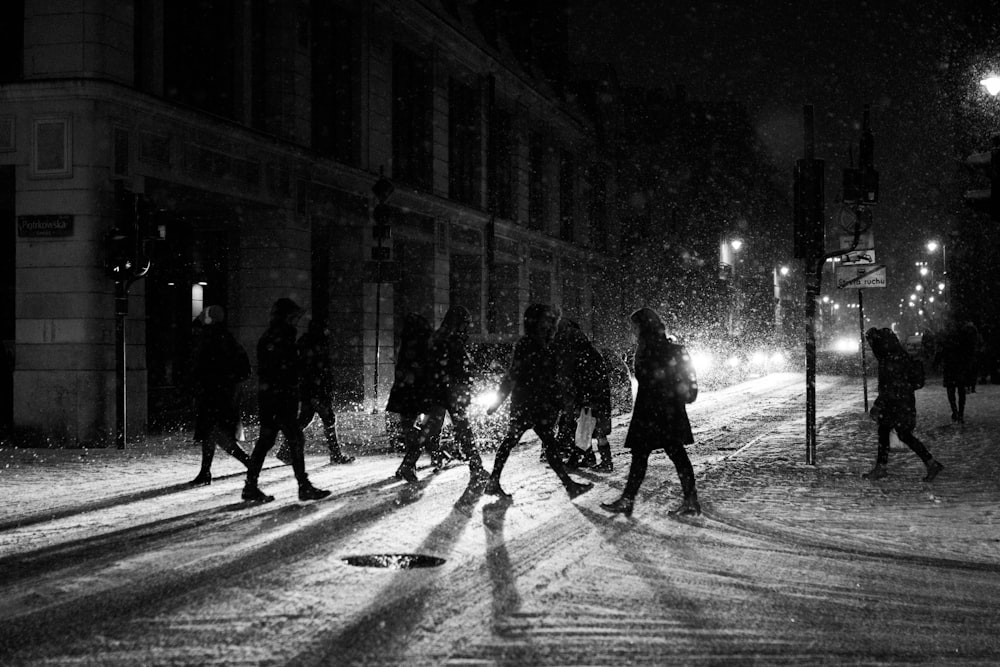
x=992, y=85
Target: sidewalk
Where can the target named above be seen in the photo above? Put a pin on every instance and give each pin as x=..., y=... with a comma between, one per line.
x=764, y=487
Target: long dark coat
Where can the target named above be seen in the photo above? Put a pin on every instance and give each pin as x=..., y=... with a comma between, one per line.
x=896, y=405
x=585, y=376
x=314, y=356
x=409, y=393
x=659, y=416
x=532, y=382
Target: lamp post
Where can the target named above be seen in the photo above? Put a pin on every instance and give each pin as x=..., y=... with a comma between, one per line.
x=382, y=189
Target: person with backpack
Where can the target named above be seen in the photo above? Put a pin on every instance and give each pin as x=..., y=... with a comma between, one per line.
x=449, y=393
x=278, y=401
x=316, y=390
x=895, y=408
x=667, y=383
x=532, y=383
x=220, y=365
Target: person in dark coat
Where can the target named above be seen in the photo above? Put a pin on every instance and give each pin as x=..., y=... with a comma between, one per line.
x=532, y=384
x=584, y=374
x=278, y=401
x=316, y=390
x=220, y=365
x=408, y=396
x=956, y=361
x=449, y=393
x=895, y=408
x=667, y=383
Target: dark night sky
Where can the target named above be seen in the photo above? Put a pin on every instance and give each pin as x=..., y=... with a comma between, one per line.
x=776, y=56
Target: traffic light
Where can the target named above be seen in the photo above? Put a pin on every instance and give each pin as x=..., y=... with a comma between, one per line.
x=382, y=215
x=987, y=164
x=809, y=230
x=125, y=258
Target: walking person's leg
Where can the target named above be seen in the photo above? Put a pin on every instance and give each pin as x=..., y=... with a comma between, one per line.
x=467, y=444
x=685, y=472
x=882, y=457
x=289, y=426
x=265, y=440
x=514, y=432
x=203, y=423
x=636, y=474
x=419, y=440
x=914, y=443
x=551, y=448
x=951, y=389
x=961, y=405
x=326, y=413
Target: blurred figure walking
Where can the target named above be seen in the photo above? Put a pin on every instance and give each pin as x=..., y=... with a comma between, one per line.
x=316, y=390
x=408, y=396
x=585, y=378
x=220, y=366
x=895, y=408
x=667, y=383
x=957, y=362
x=449, y=393
x=278, y=394
x=532, y=384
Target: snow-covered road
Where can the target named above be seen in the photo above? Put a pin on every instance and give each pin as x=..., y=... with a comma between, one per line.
x=791, y=564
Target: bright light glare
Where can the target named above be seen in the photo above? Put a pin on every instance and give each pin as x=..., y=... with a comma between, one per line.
x=759, y=358
x=777, y=358
x=733, y=362
x=703, y=361
x=486, y=399
x=932, y=246
x=992, y=85
x=846, y=345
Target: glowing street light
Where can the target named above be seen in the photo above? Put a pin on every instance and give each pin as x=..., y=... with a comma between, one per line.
x=991, y=84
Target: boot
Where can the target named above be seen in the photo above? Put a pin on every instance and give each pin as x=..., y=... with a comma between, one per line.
x=309, y=492
x=204, y=478
x=690, y=507
x=407, y=473
x=623, y=505
x=933, y=468
x=253, y=494
x=575, y=489
x=878, y=472
x=339, y=458
x=493, y=489
x=605, y=465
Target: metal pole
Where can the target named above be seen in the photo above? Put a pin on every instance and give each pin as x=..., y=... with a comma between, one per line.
x=864, y=356
x=378, y=317
x=813, y=276
x=121, y=310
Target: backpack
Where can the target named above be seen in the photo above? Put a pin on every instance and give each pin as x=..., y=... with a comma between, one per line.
x=687, y=379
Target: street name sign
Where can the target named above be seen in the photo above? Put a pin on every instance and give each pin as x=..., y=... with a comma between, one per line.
x=861, y=276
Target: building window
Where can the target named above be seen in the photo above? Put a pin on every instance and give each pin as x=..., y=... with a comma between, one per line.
x=466, y=286
x=11, y=41
x=412, y=94
x=199, y=55
x=464, y=144
x=567, y=199
x=51, y=144
x=335, y=69
x=572, y=298
x=502, y=177
x=539, y=286
x=508, y=299
x=536, y=182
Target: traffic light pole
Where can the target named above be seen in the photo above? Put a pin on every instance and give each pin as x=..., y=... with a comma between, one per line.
x=121, y=310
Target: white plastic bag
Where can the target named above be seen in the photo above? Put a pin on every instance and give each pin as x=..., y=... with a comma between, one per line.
x=585, y=425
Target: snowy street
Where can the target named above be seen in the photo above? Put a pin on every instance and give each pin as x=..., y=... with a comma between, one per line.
x=108, y=558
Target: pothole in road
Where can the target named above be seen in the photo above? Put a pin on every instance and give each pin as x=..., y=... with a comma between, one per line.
x=394, y=561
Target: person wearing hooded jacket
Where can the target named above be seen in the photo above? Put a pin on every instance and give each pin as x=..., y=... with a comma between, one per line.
x=220, y=365
x=449, y=392
x=667, y=382
x=532, y=383
x=895, y=408
x=278, y=401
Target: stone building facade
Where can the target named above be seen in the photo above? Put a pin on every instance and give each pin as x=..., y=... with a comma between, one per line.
x=254, y=131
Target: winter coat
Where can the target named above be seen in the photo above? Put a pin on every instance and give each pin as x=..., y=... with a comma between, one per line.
x=896, y=405
x=532, y=382
x=450, y=382
x=659, y=416
x=278, y=361
x=409, y=393
x=314, y=355
x=584, y=374
x=220, y=362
